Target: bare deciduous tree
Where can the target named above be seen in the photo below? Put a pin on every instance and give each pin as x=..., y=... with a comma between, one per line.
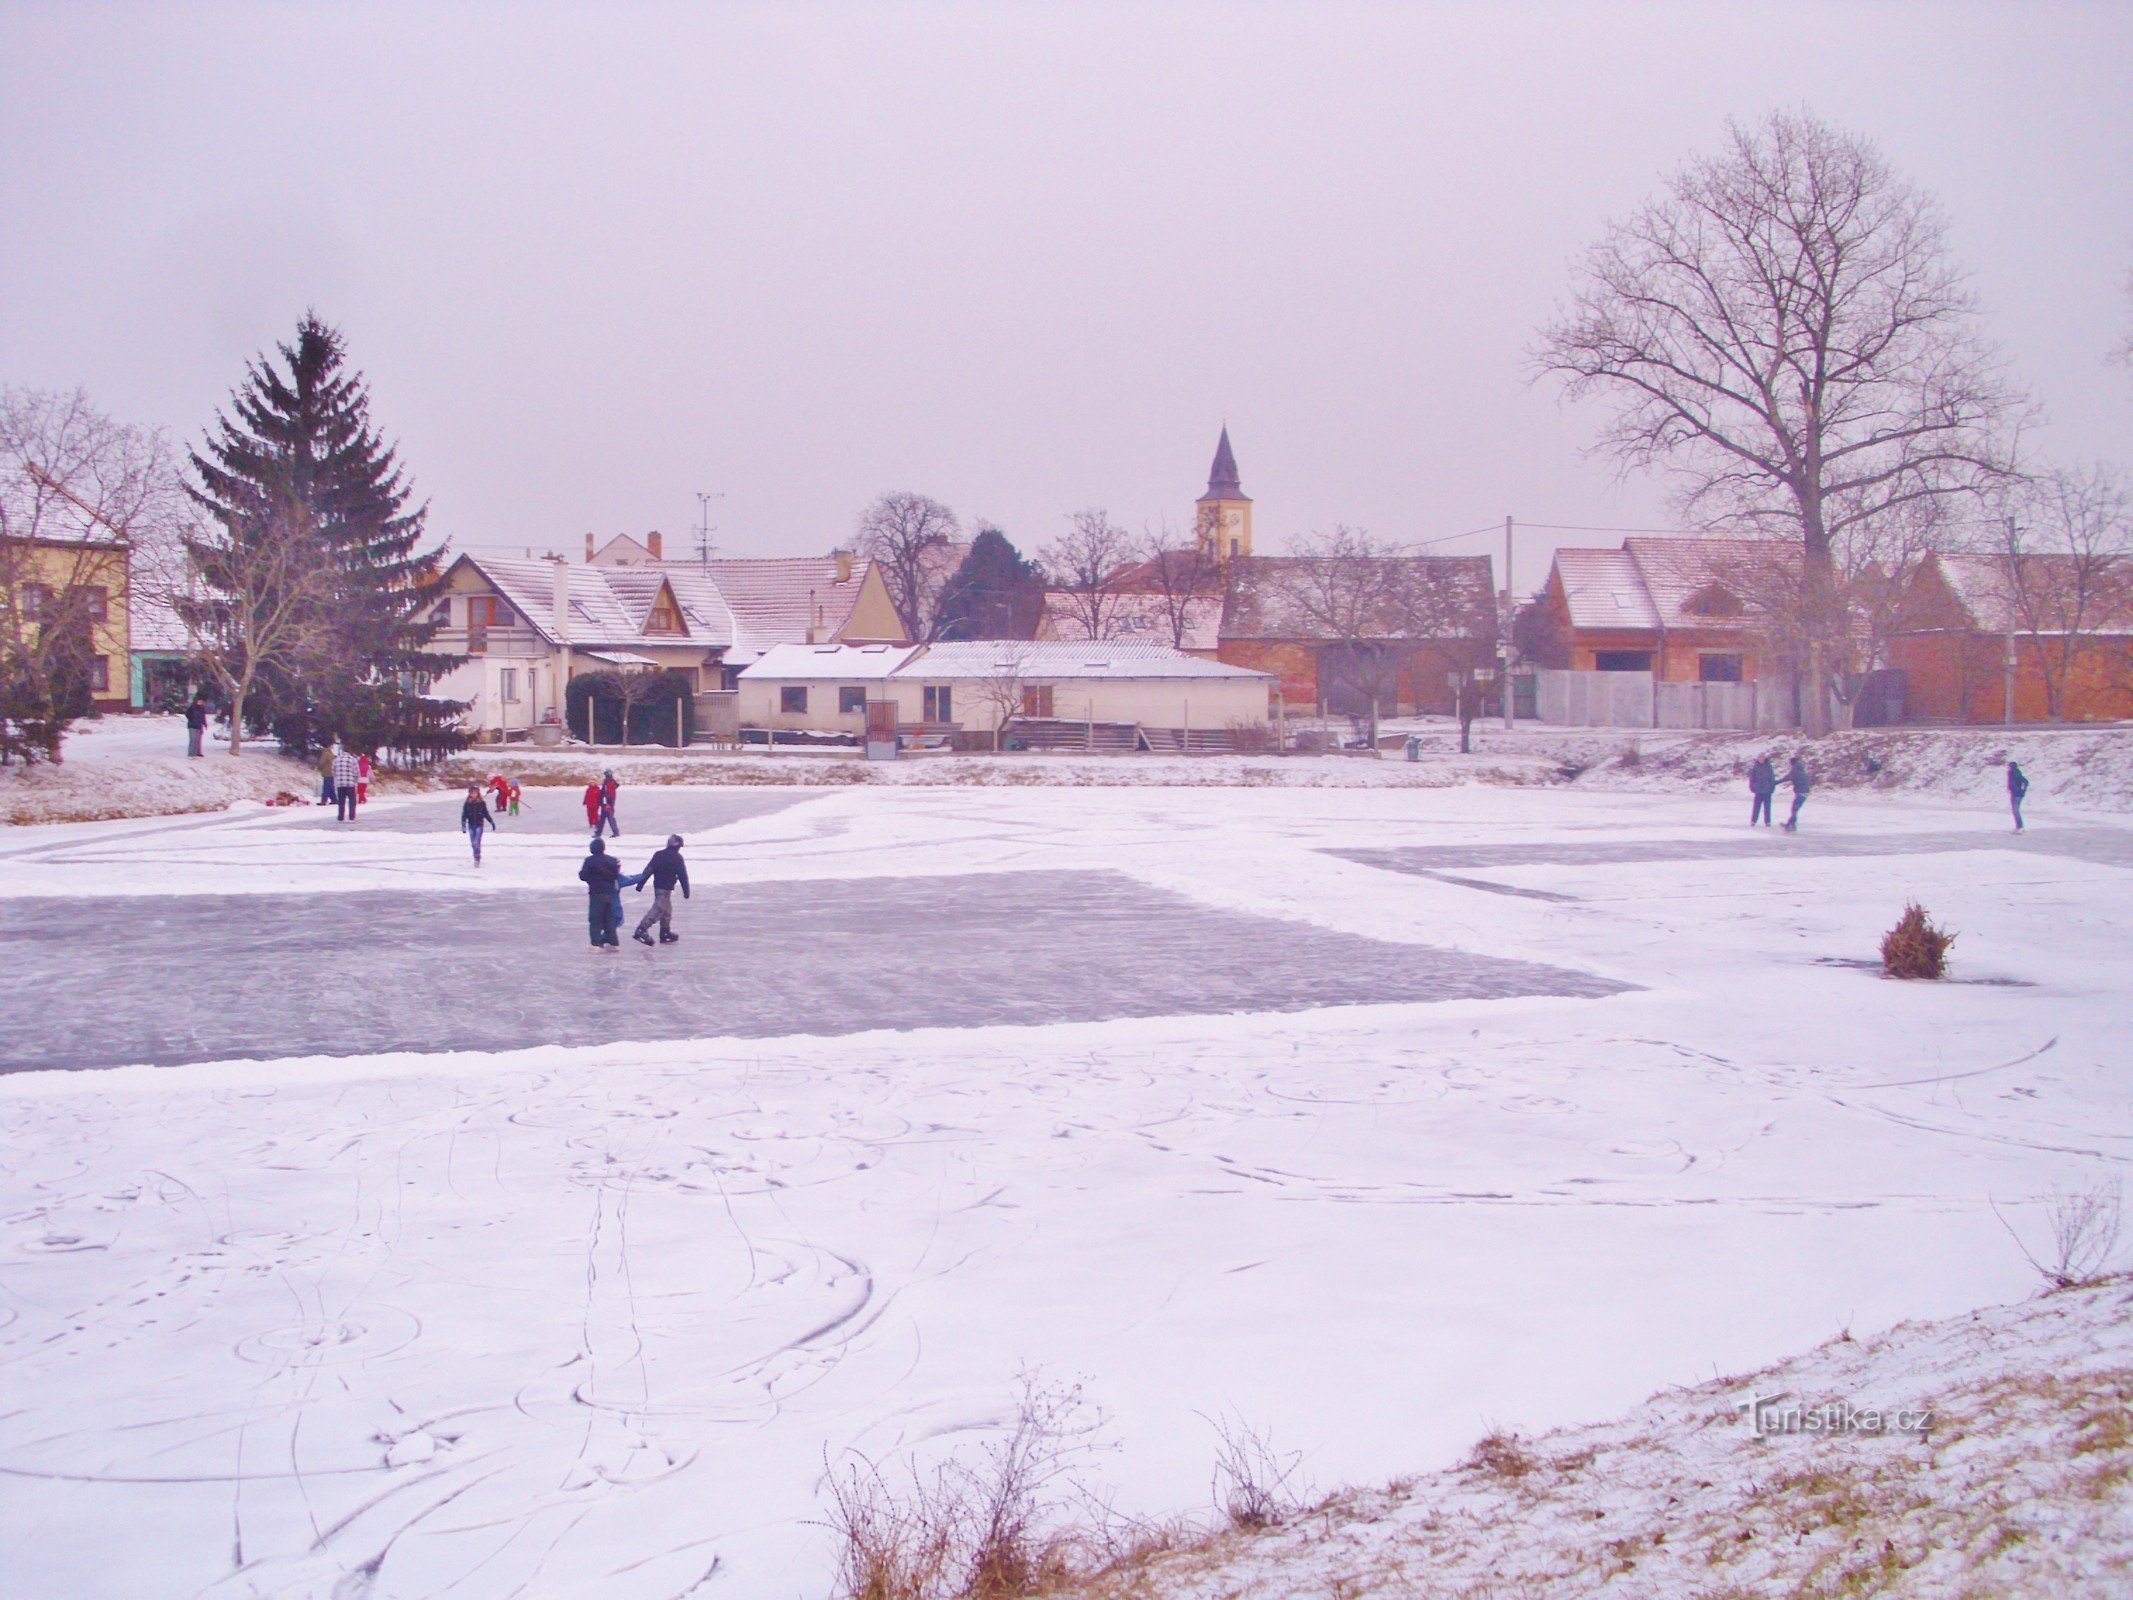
x=909, y=537
x=1085, y=568
x=1447, y=613
x=1181, y=583
x=261, y=604
x=1000, y=691
x=2068, y=549
x=1783, y=329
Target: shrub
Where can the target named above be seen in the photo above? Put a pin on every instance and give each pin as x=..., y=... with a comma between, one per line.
x=1914, y=948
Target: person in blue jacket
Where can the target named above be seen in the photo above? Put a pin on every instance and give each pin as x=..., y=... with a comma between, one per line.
x=601, y=874
x=2017, y=787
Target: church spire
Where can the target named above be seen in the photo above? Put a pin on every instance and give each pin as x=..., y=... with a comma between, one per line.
x=1222, y=481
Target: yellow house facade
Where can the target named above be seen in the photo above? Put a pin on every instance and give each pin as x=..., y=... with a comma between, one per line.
x=46, y=579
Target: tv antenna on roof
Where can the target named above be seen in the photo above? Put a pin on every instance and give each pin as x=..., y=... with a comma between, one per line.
x=704, y=526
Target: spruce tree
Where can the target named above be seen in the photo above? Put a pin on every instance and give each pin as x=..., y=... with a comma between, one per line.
x=297, y=481
x=997, y=593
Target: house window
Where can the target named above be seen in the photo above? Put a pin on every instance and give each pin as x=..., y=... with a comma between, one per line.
x=940, y=702
x=851, y=702
x=100, y=674
x=1037, y=700
x=486, y=611
x=792, y=699
x=96, y=601
x=1718, y=669
x=36, y=600
x=477, y=640
x=507, y=685
x=1621, y=661
x=442, y=616
x=664, y=617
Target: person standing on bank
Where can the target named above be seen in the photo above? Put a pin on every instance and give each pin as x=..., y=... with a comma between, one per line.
x=2017, y=787
x=665, y=869
x=473, y=818
x=1762, y=784
x=608, y=789
x=325, y=773
x=347, y=773
x=195, y=724
x=601, y=874
x=1801, y=782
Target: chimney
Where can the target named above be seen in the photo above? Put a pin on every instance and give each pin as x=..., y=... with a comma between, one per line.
x=562, y=599
x=651, y=543
x=843, y=558
x=588, y=547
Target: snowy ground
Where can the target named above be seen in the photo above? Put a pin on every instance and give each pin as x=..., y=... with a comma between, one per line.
x=136, y=766
x=479, y=1318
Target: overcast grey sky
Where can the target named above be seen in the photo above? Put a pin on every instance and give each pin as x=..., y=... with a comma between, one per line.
x=597, y=258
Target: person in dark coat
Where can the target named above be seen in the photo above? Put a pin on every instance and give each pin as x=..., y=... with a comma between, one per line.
x=345, y=772
x=1801, y=782
x=473, y=818
x=601, y=875
x=608, y=789
x=665, y=869
x=195, y=724
x=1762, y=784
x=2017, y=787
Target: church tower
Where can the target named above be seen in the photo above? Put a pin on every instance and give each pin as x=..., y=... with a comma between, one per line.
x=1224, y=522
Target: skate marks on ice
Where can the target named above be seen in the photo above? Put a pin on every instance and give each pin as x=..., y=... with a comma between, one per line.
x=455, y=1337
x=203, y=978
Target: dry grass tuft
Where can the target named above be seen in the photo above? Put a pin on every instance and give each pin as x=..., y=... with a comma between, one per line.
x=1501, y=1455
x=1915, y=948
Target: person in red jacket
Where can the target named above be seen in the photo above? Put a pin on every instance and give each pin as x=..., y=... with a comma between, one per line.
x=592, y=807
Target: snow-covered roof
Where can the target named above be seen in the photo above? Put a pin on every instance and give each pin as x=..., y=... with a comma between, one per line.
x=783, y=600
x=1650, y=584
x=987, y=658
x=1065, y=658
x=840, y=663
x=1985, y=589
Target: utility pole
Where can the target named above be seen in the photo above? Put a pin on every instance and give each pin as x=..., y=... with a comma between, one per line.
x=1507, y=610
x=704, y=529
x=2014, y=538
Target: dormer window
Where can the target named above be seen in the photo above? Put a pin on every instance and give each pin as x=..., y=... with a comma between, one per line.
x=1713, y=600
x=664, y=617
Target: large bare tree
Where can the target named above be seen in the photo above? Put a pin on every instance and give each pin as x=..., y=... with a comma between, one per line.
x=1181, y=582
x=911, y=538
x=1086, y=569
x=262, y=603
x=89, y=508
x=1784, y=330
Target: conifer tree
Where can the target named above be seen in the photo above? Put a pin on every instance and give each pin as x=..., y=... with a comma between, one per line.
x=997, y=593
x=300, y=490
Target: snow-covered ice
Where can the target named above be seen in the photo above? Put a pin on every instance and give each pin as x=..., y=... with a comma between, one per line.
x=589, y=1318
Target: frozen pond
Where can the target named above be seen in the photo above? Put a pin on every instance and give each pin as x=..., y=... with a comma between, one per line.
x=208, y=977
x=646, y=815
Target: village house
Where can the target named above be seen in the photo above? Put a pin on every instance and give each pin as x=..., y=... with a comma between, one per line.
x=61, y=567
x=1043, y=691
x=1983, y=639
x=1672, y=607
x=526, y=627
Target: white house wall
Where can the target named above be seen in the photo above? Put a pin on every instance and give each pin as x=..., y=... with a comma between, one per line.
x=1152, y=702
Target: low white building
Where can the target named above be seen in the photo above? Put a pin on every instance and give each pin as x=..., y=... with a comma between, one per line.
x=982, y=686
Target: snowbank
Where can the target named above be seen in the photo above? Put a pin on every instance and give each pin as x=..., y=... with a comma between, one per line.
x=137, y=767
x=2018, y=1486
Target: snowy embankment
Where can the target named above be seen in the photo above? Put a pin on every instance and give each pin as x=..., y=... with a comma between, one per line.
x=2017, y=1486
x=2088, y=769
x=137, y=767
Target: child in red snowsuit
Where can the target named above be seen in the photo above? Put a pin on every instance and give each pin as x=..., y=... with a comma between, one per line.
x=593, y=798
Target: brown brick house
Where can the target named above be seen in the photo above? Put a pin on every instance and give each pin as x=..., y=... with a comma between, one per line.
x=1677, y=608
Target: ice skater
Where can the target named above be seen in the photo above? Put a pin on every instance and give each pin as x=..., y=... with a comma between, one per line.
x=363, y=778
x=195, y=724
x=592, y=808
x=1762, y=784
x=346, y=773
x=325, y=773
x=2017, y=787
x=1798, y=776
x=513, y=797
x=474, y=817
x=601, y=874
x=665, y=869
x=608, y=790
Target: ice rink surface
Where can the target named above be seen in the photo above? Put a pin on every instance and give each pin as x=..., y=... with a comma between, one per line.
x=1182, y=1094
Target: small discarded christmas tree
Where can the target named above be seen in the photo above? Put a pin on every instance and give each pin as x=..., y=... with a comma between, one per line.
x=1914, y=948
